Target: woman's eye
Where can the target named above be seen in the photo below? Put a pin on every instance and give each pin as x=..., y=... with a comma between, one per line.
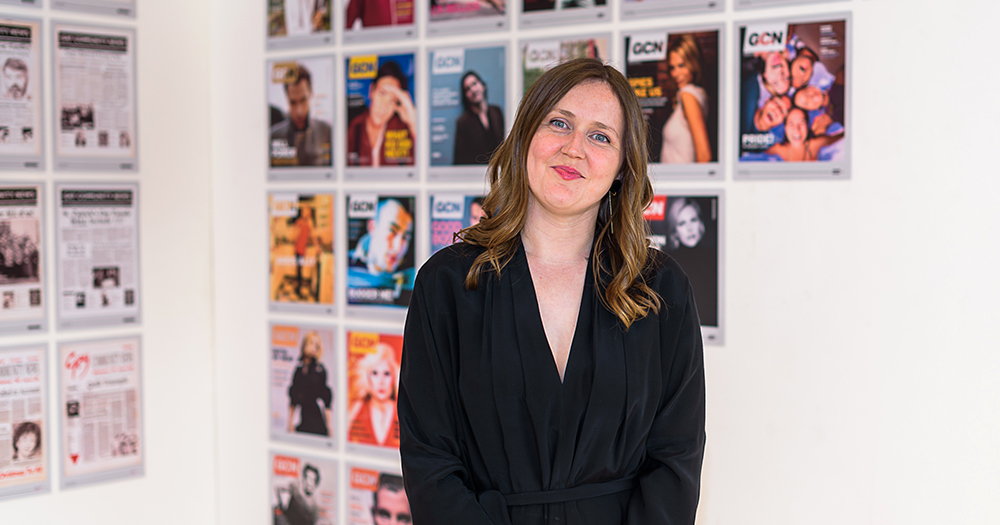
x=601, y=137
x=558, y=123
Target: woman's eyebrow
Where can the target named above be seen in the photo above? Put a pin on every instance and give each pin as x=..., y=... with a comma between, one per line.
x=597, y=123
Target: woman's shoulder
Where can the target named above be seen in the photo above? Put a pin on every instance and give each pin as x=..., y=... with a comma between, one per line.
x=450, y=262
x=698, y=91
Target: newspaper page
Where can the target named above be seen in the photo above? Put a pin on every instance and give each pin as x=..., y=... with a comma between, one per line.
x=303, y=384
x=381, y=114
x=376, y=497
x=539, y=56
x=100, y=406
x=303, y=490
x=101, y=7
x=20, y=94
x=22, y=287
x=793, y=99
x=643, y=9
x=381, y=263
x=538, y=13
x=95, y=97
x=451, y=212
x=97, y=239
x=675, y=76
x=24, y=466
x=687, y=227
x=373, y=378
x=300, y=252
x=468, y=95
x=300, y=107
x=299, y=23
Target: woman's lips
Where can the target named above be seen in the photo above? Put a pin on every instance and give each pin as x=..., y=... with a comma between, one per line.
x=567, y=173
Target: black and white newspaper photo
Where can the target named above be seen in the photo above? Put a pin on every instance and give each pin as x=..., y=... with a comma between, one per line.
x=97, y=240
x=22, y=290
x=100, y=407
x=24, y=467
x=94, y=92
x=100, y=7
x=20, y=95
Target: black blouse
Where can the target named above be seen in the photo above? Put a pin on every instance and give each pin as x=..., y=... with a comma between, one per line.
x=483, y=413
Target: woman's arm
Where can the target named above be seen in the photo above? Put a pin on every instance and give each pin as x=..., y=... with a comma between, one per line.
x=436, y=480
x=669, y=488
x=291, y=419
x=699, y=134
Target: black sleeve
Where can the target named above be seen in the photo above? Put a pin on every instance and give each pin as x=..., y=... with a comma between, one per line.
x=669, y=488
x=295, y=390
x=436, y=479
x=325, y=393
x=462, y=154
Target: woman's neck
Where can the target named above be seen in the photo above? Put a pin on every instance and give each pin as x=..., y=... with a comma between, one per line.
x=557, y=238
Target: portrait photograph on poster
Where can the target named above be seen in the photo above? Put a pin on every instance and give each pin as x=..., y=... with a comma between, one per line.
x=541, y=55
x=300, y=252
x=303, y=489
x=451, y=212
x=449, y=17
x=300, y=100
x=100, y=411
x=378, y=20
x=676, y=77
x=372, y=380
x=97, y=248
x=688, y=228
x=303, y=384
x=376, y=496
x=638, y=9
x=380, y=252
x=794, y=96
x=94, y=131
x=299, y=23
x=21, y=95
x=542, y=13
x=381, y=116
x=468, y=97
x=22, y=276
x=24, y=432
x=99, y=7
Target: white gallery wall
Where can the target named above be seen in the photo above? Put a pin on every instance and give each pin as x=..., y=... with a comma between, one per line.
x=858, y=382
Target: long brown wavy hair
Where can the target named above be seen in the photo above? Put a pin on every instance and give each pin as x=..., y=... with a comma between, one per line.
x=620, y=258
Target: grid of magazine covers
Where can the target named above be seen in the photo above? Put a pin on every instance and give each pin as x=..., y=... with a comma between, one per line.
x=379, y=135
x=87, y=275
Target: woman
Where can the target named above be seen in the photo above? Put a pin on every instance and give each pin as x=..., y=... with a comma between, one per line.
x=373, y=394
x=685, y=137
x=384, y=134
x=800, y=145
x=308, y=388
x=696, y=250
x=479, y=129
x=552, y=364
x=27, y=441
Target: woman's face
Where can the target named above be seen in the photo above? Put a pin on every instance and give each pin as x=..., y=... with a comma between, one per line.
x=810, y=98
x=802, y=71
x=689, y=227
x=311, y=349
x=26, y=444
x=576, y=152
x=679, y=70
x=382, y=380
x=776, y=72
x=473, y=89
x=797, y=127
x=385, y=93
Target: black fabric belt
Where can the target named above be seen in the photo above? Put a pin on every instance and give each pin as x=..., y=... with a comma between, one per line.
x=591, y=490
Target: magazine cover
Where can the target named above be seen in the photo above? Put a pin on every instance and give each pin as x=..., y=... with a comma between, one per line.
x=539, y=56
x=373, y=378
x=22, y=276
x=468, y=94
x=676, y=79
x=297, y=23
x=378, y=20
x=24, y=467
x=300, y=250
x=793, y=96
x=381, y=111
x=20, y=94
x=538, y=13
x=376, y=497
x=303, y=383
x=381, y=263
x=303, y=489
x=451, y=212
x=300, y=115
x=466, y=16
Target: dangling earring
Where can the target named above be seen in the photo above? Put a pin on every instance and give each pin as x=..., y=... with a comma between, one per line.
x=613, y=192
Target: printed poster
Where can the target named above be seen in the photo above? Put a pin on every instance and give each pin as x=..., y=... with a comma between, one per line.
x=299, y=23
x=24, y=427
x=20, y=94
x=539, y=56
x=378, y=20
x=301, y=251
x=22, y=276
x=466, y=16
x=381, y=263
x=300, y=115
x=303, y=384
x=381, y=110
x=675, y=76
x=95, y=97
x=376, y=497
x=793, y=99
x=303, y=489
x=373, y=380
x=100, y=406
x=97, y=238
x=451, y=212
